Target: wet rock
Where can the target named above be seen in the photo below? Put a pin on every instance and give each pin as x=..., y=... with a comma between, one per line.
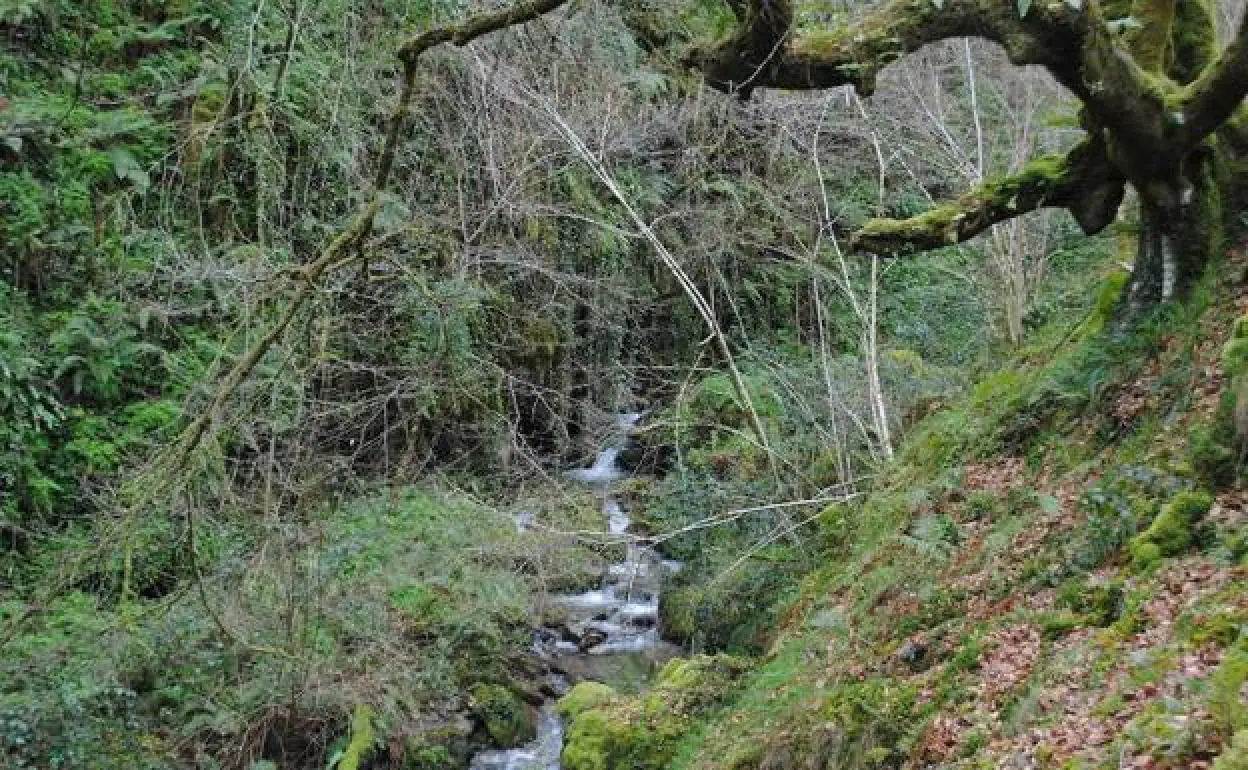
x=527, y=666
x=591, y=639
x=455, y=734
x=551, y=689
x=507, y=720
x=554, y=616
x=528, y=691
x=913, y=653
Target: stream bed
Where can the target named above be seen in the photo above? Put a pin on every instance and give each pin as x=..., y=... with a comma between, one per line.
x=611, y=632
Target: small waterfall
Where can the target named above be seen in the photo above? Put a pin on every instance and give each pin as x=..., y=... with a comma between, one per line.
x=603, y=471
x=621, y=617
x=542, y=754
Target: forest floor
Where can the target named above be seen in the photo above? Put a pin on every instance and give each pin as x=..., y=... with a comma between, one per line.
x=1051, y=575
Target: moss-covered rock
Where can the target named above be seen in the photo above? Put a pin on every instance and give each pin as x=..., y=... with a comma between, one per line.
x=583, y=697
x=607, y=732
x=507, y=719
x=1171, y=531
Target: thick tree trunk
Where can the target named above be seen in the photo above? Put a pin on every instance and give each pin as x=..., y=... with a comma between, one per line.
x=1180, y=235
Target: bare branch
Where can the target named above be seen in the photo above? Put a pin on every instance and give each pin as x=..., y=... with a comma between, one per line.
x=361, y=225
x=1082, y=181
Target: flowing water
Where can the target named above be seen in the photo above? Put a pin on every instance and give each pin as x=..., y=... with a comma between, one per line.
x=610, y=628
x=541, y=754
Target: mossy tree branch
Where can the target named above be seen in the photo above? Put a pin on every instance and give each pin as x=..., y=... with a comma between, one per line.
x=1081, y=181
x=1151, y=97
x=1071, y=40
x=1213, y=98
x=476, y=26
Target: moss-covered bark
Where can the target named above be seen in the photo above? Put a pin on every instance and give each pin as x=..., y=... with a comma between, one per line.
x=1153, y=100
x=1080, y=181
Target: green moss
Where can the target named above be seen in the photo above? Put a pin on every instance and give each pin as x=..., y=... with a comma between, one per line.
x=584, y=697
x=362, y=740
x=1235, y=755
x=1149, y=40
x=1226, y=703
x=1145, y=555
x=508, y=720
x=1210, y=454
x=949, y=223
x=643, y=733
x=1235, y=355
x=1193, y=39
x=1097, y=604
x=1171, y=531
x=591, y=741
x=705, y=675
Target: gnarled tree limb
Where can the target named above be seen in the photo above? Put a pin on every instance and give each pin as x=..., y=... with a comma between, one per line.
x=1070, y=39
x=476, y=26
x=1218, y=93
x=1082, y=181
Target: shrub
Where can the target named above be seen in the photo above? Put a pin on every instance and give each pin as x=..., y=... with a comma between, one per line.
x=1226, y=702
x=1099, y=604
x=1211, y=455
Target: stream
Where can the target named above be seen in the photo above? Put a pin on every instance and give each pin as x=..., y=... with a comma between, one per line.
x=611, y=629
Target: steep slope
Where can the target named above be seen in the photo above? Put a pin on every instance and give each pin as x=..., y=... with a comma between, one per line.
x=1051, y=575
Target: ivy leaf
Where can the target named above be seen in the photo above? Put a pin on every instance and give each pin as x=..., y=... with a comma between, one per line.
x=1023, y=7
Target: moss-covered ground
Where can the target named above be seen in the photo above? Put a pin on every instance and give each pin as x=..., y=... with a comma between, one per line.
x=1051, y=574
x=404, y=617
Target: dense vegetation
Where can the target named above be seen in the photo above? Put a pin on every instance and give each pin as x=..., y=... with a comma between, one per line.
x=917, y=499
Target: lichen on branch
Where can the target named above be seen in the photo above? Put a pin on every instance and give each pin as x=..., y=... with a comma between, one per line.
x=1081, y=180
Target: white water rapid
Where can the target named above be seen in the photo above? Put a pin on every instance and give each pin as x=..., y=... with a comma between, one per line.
x=606, y=625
